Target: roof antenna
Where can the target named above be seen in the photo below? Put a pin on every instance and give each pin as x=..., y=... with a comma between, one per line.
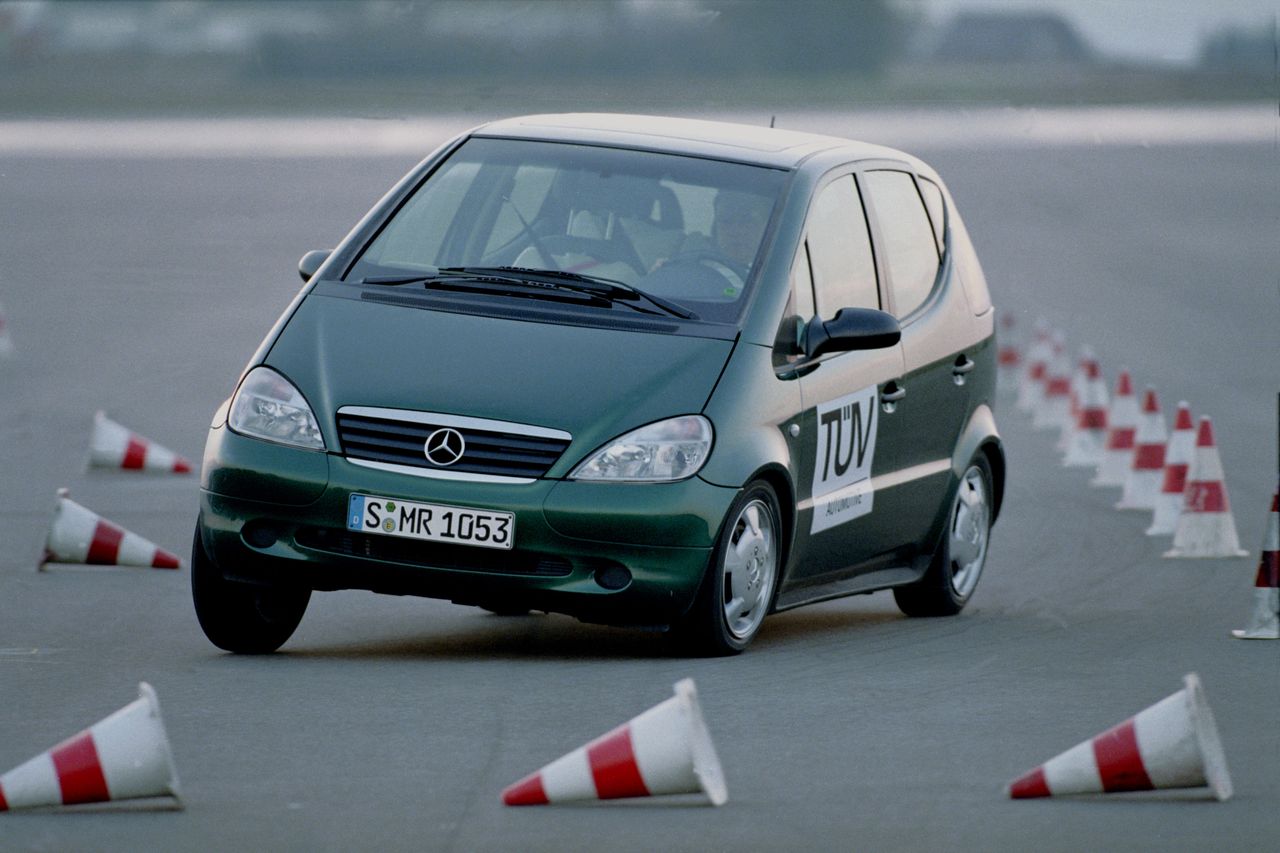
x=771, y=120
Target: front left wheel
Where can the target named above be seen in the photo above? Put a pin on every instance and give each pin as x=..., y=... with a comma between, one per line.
x=243, y=618
x=738, y=590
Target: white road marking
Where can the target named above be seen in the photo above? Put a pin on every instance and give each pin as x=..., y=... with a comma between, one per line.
x=350, y=137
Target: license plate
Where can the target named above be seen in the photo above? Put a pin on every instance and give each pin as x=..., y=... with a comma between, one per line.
x=455, y=525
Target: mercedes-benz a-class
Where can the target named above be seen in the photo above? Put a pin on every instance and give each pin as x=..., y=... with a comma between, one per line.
x=642, y=371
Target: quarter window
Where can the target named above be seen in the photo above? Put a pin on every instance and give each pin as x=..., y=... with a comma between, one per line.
x=910, y=250
x=933, y=203
x=801, y=286
x=844, y=269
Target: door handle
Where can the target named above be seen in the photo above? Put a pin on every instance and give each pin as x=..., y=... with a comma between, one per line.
x=963, y=365
x=893, y=392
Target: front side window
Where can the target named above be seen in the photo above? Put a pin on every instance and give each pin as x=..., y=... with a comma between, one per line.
x=685, y=229
x=910, y=247
x=844, y=270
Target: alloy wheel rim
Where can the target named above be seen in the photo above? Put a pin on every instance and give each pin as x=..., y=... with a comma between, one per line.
x=970, y=531
x=749, y=567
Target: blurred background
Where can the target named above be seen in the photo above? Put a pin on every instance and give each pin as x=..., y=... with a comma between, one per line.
x=386, y=58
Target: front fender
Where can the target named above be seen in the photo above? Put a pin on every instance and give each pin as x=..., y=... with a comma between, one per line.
x=751, y=409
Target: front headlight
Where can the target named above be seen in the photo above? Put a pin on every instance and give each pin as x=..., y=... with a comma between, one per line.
x=267, y=406
x=661, y=452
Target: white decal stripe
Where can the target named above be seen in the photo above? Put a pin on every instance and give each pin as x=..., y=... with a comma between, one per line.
x=892, y=479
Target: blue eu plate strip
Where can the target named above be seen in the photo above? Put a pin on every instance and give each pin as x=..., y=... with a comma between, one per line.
x=355, y=511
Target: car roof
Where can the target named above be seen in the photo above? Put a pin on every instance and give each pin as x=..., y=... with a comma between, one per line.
x=766, y=146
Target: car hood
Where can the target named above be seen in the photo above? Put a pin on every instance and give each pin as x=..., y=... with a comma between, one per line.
x=593, y=383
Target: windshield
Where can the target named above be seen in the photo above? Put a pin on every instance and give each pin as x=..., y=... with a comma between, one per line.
x=684, y=229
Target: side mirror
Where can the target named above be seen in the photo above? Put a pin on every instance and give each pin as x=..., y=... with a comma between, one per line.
x=312, y=261
x=851, y=329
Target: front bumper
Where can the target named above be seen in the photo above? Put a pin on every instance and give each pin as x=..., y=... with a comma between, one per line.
x=614, y=553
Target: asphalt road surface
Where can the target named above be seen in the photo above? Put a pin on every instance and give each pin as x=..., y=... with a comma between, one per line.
x=141, y=284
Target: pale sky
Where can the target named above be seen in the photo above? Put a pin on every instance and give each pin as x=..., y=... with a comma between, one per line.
x=1161, y=30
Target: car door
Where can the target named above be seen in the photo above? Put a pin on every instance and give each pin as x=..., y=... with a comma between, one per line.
x=934, y=316
x=848, y=442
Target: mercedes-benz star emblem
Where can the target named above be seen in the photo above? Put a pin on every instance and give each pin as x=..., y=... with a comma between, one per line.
x=444, y=447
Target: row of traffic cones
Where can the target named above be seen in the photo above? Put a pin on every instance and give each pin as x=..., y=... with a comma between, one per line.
x=79, y=535
x=665, y=750
x=1177, y=477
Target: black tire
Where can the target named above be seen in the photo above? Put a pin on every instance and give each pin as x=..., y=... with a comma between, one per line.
x=709, y=629
x=957, y=564
x=243, y=618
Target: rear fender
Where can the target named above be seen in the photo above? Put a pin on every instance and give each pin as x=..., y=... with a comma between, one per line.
x=980, y=435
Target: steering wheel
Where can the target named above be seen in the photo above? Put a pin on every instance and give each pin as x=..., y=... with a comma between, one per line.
x=729, y=271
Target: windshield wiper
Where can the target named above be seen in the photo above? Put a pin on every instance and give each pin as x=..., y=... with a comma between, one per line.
x=609, y=288
x=500, y=280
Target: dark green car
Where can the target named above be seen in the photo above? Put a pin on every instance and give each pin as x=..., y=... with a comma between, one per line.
x=643, y=371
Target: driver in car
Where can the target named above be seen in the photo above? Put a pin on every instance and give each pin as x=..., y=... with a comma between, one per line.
x=725, y=259
x=738, y=227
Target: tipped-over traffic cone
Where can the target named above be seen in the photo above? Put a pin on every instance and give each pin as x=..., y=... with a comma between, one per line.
x=1264, y=624
x=1206, y=527
x=1055, y=409
x=1089, y=432
x=1122, y=427
x=1143, y=481
x=665, y=750
x=115, y=446
x=1172, y=744
x=124, y=757
x=79, y=535
x=1031, y=380
x=1173, y=481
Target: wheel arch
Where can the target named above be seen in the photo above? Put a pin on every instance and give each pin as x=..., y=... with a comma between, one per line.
x=980, y=435
x=780, y=481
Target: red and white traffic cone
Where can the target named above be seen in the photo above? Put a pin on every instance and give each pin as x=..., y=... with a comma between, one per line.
x=124, y=757
x=1075, y=394
x=1122, y=428
x=1089, y=434
x=665, y=750
x=116, y=446
x=1172, y=744
x=1264, y=623
x=1056, y=408
x=1177, y=460
x=79, y=535
x=1009, y=353
x=1143, y=481
x=1206, y=527
x=1036, y=361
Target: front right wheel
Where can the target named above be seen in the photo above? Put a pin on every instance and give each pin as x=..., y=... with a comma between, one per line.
x=244, y=618
x=738, y=590
x=957, y=563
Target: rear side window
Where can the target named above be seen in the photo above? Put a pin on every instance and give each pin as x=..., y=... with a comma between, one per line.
x=844, y=269
x=910, y=247
x=933, y=203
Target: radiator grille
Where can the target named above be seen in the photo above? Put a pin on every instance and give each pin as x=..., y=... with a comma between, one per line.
x=387, y=439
